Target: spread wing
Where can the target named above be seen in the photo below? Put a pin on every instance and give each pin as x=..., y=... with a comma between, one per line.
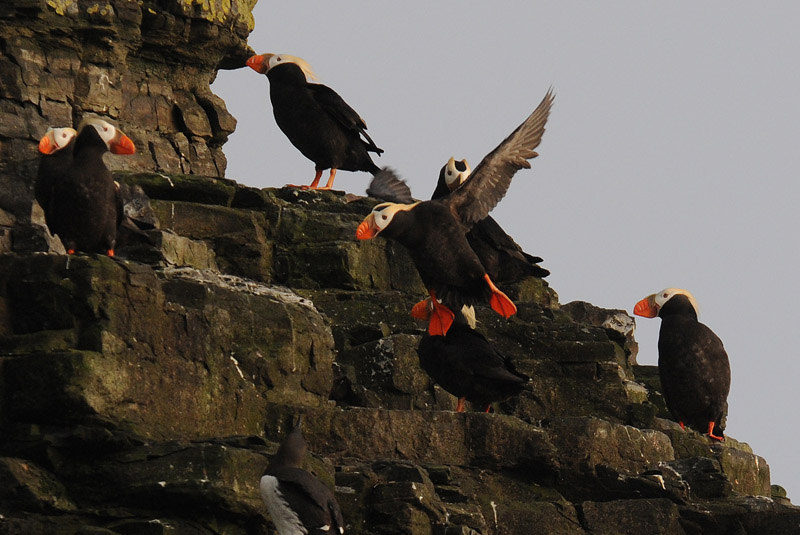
x=386, y=185
x=488, y=183
x=342, y=112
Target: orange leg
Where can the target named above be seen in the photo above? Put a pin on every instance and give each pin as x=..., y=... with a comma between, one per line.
x=70, y=251
x=499, y=301
x=313, y=184
x=711, y=432
x=329, y=185
x=488, y=408
x=682, y=426
x=441, y=317
x=460, y=406
x=110, y=252
x=422, y=310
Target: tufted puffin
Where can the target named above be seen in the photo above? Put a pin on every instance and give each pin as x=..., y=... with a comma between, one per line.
x=83, y=208
x=693, y=365
x=315, y=118
x=465, y=364
x=56, y=147
x=296, y=500
x=504, y=260
x=434, y=231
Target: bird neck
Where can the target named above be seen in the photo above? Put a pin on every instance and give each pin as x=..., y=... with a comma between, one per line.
x=678, y=305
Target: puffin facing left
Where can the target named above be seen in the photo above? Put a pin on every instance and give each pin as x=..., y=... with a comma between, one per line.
x=317, y=121
x=56, y=146
x=692, y=363
x=298, y=502
x=83, y=207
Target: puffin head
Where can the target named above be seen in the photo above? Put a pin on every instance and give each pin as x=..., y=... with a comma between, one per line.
x=380, y=218
x=650, y=306
x=455, y=172
x=263, y=63
x=56, y=139
x=115, y=140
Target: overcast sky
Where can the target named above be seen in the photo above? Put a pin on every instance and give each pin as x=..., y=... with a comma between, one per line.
x=670, y=156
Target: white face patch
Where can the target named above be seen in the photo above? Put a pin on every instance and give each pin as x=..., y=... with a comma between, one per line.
x=385, y=212
x=666, y=294
x=278, y=59
x=454, y=176
x=61, y=136
x=285, y=520
x=107, y=132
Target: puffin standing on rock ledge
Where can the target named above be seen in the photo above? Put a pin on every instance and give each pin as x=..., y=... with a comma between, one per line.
x=434, y=232
x=83, y=206
x=298, y=503
x=315, y=118
x=692, y=363
x=466, y=365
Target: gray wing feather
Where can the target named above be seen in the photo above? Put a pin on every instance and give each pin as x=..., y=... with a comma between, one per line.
x=386, y=185
x=490, y=180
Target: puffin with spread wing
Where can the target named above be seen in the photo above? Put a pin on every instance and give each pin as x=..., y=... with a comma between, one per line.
x=434, y=232
x=503, y=258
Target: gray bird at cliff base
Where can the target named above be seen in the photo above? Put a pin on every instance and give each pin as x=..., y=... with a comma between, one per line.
x=298, y=503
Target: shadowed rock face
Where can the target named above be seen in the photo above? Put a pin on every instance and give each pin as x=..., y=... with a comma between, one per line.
x=146, y=393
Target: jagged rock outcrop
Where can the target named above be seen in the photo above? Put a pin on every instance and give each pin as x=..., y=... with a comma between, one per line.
x=148, y=392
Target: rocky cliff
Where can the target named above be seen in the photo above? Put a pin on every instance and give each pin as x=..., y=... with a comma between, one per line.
x=146, y=393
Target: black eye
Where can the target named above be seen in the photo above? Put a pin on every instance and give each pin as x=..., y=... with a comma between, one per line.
x=450, y=173
x=384, y=217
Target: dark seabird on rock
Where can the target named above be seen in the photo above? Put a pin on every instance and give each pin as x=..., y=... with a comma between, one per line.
x=465, y=364
x=56, y=146
x=315, y=118
x=692, y=363
x=434, y=232
x=298, y=503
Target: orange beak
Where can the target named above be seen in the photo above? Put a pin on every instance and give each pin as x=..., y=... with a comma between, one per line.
x=46, y=145
x=122, y=144
x=647, y=307
x=259, y=63
x=367, y=229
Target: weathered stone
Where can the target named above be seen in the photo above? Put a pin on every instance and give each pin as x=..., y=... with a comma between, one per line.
x=632, y=517
x=26, y=486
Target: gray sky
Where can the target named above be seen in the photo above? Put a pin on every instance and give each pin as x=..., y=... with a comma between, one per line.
x=670, y=155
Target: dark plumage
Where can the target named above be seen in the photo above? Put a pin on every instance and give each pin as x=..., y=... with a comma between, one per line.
x=57, y=146
x=83, y=208
x=692, y=363
x=296, y=500
x=504, y=260
x=465, y=364
x=315, y=118
x=434, y=231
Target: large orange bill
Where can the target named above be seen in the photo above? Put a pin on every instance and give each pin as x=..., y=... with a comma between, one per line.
x=367, y=229
x=646, y=307
x=122, y=144
x=259, y=63
x=46, y=145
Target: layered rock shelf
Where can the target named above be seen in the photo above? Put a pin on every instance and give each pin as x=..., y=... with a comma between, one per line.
x=146, y=393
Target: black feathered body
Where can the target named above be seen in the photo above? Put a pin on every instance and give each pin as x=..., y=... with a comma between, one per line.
x=318, y=122
x=440, y=251
x=503, y=259
x=52, y=170
x=693, y=366
x=465, y=364
x=297, y=501
x=83, y=209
